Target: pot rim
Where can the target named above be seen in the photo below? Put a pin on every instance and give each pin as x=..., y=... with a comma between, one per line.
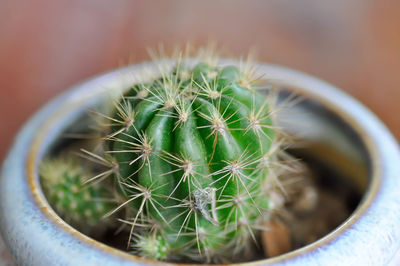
x=381, y=199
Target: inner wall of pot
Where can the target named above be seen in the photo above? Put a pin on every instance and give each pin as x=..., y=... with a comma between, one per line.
x=323, y=137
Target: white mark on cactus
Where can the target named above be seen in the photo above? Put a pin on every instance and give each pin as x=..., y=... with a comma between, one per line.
x=142, y=94
x=203, y=198
x=99, y=207
x=87, y=213
x=184, y=75
x=60, y=194
x=73, y=205
x=74, y=188
x=86, y=196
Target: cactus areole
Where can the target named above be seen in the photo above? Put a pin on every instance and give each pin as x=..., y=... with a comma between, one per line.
x=194, y=150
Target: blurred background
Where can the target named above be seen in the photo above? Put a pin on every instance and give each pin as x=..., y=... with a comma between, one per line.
x=47, y=46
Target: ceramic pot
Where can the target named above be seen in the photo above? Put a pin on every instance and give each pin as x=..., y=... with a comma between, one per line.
x=340, y=130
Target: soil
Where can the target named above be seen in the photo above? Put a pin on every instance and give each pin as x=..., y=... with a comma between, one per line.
x=315, y=206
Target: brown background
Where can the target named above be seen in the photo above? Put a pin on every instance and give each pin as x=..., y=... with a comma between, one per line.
x=48, y=45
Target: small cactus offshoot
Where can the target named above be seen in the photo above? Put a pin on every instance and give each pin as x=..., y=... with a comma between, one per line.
x=81, y=206
x=195, y=157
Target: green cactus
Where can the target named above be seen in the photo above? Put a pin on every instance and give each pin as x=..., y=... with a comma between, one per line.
x=192, y=156
x=194, y=150
x=81, y=206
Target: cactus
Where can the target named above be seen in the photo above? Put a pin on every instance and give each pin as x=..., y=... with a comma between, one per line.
x=79, y=205
x=194, y=150
x=193, y=156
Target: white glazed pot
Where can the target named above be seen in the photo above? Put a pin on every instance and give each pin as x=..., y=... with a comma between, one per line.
x=35, y=235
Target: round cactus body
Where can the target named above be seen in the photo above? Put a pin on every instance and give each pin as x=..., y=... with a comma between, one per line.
x=81, y=206
x=194, y=150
